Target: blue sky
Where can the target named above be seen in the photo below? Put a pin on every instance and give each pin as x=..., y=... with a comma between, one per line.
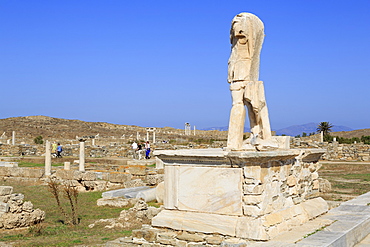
x=164, y=63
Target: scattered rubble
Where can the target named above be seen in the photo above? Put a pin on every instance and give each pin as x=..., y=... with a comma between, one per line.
x=14, y=212
x=134, y=217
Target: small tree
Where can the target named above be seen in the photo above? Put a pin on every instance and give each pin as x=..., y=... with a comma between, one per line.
x=38, y=140
x=304, y=134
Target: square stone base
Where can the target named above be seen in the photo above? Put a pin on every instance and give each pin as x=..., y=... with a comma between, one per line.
x=250, y=195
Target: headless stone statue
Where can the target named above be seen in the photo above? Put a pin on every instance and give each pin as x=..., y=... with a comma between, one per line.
x=246, y=36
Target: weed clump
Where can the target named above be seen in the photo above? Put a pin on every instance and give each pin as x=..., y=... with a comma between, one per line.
x=71, y=194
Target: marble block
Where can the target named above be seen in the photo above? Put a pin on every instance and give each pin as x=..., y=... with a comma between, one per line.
x=194, y=188
x=128, y=192
x=198, y=222
x=210, y=189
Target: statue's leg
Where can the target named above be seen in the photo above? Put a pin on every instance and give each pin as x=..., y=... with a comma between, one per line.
x=263, y=116
x=237, y=117
x=265, y=122
x=253, y=121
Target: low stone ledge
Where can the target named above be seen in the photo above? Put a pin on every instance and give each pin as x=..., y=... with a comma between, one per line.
x=89, y=176
x=4, y=171
x=6, y=190
x=34, y=173
x=119, y=177
x=16, y=172
x=69, y=174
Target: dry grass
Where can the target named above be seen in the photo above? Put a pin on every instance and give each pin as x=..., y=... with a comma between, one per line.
x=348, y=180
x=53, y=232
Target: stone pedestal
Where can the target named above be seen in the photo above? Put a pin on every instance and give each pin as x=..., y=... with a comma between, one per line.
x=67, y=166
x=251, y=195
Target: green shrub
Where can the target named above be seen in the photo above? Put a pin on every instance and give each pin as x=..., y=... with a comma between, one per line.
x=328, y=138
x=365, y=139
x=38, y=140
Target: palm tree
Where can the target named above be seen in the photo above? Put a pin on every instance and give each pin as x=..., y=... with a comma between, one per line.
x=325, y=127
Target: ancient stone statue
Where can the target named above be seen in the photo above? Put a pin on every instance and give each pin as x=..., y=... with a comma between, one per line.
x=246, y=36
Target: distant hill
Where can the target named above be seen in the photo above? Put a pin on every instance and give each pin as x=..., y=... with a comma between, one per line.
x=293, y=130
x=27, y=128
x=307, y=128
x=353, y=133
x=224, y=128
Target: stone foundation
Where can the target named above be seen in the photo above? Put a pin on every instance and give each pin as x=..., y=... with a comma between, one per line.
x=249, y=195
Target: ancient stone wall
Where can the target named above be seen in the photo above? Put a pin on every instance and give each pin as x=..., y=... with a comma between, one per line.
x=336, y=151
x=114, y=150
x=127, y=177
x=281, y=196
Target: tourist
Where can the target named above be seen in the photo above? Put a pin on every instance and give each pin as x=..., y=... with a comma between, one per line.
x=134, y=148
x=54, y=149
x=147, y=148
x=59, y=150
x=139, y=151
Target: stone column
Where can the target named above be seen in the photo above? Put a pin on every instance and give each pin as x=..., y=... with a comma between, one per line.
x=137, y=136
x=81, y=167
x=194, y=129
x=67, y=166
x=153, y=136
x=47, y=158
x=322, y=136
x=187, y=128
x=93, y=142
x=13, y=138
x=147, y=135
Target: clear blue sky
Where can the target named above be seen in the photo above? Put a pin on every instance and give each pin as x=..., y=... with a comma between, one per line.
x=164, y=63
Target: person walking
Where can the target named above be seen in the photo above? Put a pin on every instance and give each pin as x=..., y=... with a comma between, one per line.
x=134, y=148
x=147, y=152
x=139, y=151
x=54, y=147
x=59, y=150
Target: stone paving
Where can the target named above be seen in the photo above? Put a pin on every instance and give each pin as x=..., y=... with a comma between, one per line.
x=347, y=225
